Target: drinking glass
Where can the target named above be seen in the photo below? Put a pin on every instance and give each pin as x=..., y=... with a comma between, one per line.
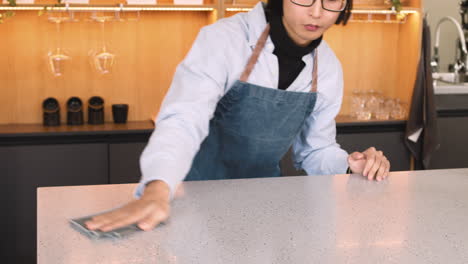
x=102, y=59
x=399, y=111
x=57, y=57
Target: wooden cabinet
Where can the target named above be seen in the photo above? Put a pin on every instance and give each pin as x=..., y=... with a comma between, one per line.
x=25, y=168
x=452, y=124
x=70, y=157
x=391, y=143
x=385, y=136
x=124, y=165
x=453, y=139
x=33, y=156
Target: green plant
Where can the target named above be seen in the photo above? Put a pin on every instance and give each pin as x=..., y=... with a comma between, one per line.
x=7, y=14
x=396, y=4
x=397, y=7
x=58, y=4
x=12, y=3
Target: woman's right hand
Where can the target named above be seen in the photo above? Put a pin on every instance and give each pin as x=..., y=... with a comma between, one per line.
x=147, y=212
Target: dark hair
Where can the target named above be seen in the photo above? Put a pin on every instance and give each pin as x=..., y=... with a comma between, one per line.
x=276, y=7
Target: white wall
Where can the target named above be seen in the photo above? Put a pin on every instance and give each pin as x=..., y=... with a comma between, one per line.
x=436, y=10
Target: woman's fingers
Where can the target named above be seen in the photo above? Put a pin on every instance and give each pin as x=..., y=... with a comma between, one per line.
x=375, y=167
x=387, y=170
x=125, y=221
x=129, y=214
x=153, y=220
x=382, y=170
x=370, y=157
x=104, y=219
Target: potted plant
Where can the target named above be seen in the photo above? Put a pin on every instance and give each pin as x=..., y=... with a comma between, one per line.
x=7, y=14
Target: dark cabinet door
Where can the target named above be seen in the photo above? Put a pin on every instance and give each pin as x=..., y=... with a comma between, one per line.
x=24, y=169
x=453, y=139
x=391, y=143
x=124, y=161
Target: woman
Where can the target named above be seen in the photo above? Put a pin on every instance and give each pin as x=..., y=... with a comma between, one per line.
x=251, y=86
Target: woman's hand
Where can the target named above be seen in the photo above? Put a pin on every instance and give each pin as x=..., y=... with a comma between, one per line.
x=370, y=163
x=147, y=212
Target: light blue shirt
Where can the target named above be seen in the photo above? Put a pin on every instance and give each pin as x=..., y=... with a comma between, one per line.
x=215, y=61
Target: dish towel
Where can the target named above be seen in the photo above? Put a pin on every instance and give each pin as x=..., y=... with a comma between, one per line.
x=421, y=137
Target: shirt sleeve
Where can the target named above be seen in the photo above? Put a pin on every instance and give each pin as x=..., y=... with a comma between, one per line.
x=183, y=120
x=315, y=149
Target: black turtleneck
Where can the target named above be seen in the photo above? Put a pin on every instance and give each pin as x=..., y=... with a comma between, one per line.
x=289, y=53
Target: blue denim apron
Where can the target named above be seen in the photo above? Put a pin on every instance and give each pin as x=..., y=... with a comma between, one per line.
x=252, y=128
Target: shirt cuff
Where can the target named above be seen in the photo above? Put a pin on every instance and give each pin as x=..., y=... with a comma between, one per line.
x=140, y=189
x=171, y=181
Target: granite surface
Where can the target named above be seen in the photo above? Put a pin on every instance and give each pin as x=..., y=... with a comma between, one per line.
x=412, y=217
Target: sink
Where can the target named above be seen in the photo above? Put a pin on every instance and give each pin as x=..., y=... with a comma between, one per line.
x=444, y=84
x=450, y=77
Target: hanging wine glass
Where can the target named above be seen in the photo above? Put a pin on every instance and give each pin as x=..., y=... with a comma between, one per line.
x=57, y=58
x=102, y=59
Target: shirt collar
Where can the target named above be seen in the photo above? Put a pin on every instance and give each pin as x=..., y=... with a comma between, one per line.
x=256, y=23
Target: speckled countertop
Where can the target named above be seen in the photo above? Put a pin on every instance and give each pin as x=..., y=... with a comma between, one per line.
x=413, y=217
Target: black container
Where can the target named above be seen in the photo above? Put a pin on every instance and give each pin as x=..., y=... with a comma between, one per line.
x=51, y=112
x=74, y=111
x=120, y=113
x=96, y=110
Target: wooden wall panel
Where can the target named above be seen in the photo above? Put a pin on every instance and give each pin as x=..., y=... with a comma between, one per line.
x=148, y=52
x=409, y=51
x=368, y=54
x=377, y=56
x=229, y=13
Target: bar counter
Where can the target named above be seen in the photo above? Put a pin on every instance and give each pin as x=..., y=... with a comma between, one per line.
x=412, y=217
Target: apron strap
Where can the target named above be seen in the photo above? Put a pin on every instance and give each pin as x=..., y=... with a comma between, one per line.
x=315, y=73
x=254, y=57
x=256, y=53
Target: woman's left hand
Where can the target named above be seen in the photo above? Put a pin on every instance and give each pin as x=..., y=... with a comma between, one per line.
x=371, y=164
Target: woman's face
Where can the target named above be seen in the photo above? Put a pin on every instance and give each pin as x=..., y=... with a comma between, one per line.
x=306, y=24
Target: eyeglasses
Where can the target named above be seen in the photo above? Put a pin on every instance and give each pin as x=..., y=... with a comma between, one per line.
x=329, y=5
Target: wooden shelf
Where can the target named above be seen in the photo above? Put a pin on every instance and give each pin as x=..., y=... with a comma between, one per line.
x=128, y=128
x=238, y=8
x=367, y=14
x=15, y=130
x=341, y=119
x=114, y=2
x=384, y=4
x=114, y=8
x=357, y=10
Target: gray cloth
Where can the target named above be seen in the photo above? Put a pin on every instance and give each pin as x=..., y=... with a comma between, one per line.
x=79, y=225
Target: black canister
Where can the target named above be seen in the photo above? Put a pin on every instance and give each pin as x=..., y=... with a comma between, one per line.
x=74, y=111
x=120, y=113
x=51, y=112
x=96, y=110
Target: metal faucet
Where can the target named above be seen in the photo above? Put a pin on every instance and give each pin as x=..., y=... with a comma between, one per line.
x=461, y=64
